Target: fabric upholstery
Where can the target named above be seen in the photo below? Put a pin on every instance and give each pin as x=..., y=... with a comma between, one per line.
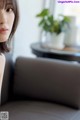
x=6, y=78
x=36, y=110
x=51, y=80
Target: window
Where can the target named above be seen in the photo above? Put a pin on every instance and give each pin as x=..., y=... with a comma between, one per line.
x=70, y=9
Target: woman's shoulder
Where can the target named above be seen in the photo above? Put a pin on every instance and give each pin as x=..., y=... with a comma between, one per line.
x=2, y=58
x=2, y=67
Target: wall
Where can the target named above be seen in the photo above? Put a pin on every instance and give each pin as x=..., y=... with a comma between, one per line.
x=28, y=30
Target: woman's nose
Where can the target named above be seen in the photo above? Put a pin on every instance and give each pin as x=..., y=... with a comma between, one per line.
x=3, y=17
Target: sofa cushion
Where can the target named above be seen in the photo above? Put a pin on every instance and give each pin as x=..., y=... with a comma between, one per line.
x=45, y=79
x=36, y=110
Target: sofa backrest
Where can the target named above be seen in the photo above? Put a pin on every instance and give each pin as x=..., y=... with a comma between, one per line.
x=46, y=79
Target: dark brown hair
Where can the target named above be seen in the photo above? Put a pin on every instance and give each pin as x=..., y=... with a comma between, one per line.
x=4, y=47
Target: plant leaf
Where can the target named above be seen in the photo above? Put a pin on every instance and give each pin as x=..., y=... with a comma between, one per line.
x=51, y=19
x=43, y=13
x=41, y=22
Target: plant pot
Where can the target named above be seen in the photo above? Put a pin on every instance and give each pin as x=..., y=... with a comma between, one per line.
x=72, y=37
x=55, y=41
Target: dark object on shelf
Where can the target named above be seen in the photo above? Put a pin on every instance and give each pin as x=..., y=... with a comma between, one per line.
x=69, y=54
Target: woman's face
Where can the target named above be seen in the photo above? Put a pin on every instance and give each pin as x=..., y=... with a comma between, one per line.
x=7, y=17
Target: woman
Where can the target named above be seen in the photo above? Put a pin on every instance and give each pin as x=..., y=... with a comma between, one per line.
x=9, y=17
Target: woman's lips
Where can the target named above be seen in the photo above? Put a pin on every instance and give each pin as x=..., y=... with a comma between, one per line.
x=3, y=30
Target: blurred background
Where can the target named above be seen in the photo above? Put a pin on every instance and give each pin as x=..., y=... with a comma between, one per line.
x=28, y=30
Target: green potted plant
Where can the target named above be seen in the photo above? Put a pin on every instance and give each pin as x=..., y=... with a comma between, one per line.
x=55, y=28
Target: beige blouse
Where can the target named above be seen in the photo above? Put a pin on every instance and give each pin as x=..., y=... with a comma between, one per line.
x=2, y=66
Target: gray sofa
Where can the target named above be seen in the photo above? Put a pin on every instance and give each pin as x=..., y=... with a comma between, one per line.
x=41, y=89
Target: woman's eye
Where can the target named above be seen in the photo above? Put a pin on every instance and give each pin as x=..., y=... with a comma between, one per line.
x=9, y=10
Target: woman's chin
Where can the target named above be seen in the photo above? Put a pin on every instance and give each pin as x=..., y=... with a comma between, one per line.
x=3, y=40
